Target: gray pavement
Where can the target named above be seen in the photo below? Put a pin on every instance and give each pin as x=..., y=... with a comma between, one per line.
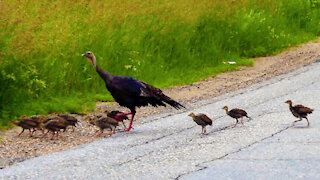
x=169, y=146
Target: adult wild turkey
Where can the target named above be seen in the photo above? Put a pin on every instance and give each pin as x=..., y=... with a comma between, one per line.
x=236, y=113
x=299, y=111
x=113, y=114
x=202, y=120
x=32, y=124
x=131, y=93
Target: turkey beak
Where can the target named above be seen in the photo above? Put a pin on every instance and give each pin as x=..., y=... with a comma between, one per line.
x=83, y=54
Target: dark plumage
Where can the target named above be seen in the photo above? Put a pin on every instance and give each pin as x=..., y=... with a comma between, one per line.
x=113, y=114
x=104, y=122
x=236, y=114
x=32, y=124
x=38, y=118
x=299, y=111
x=54, y=124
x=131, y=93
x=202, y=120
x=71, y=120
x=49, y=117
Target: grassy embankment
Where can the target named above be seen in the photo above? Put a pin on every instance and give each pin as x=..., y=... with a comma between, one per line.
x=164, y=43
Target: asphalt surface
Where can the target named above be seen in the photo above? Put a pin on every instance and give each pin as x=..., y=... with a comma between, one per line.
x=169, y=146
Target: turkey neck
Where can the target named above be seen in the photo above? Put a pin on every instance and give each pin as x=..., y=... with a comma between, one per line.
x=106, y=76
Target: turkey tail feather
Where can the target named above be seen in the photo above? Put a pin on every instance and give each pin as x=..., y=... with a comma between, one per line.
x=173, y=103
x=158, y=94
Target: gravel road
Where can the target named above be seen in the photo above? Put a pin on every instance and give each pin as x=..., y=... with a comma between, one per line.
x=169, y=146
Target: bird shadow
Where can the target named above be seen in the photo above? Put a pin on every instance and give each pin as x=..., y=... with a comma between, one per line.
x=300, y=127
x=135, y=132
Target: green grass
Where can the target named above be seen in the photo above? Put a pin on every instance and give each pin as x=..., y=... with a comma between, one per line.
x=165, y=43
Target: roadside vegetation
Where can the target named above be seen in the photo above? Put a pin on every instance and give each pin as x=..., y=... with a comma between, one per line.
x=165, y=43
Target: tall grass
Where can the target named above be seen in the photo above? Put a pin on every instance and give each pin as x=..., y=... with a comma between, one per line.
x=164, y=43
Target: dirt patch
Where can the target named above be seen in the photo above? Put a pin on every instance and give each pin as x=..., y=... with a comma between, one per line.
x=15, y=149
